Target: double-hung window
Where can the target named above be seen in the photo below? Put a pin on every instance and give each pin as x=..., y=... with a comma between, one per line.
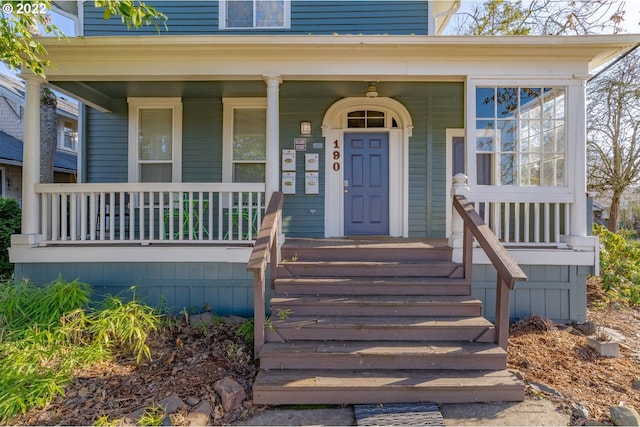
x=521, y=136
x=155, y=140
x=254, y=14
x=244, y=139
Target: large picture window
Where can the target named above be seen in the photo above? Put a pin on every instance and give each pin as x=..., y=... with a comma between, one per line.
x=155, y=139
x=248, y=14
x=521, y=136
x=245, y=136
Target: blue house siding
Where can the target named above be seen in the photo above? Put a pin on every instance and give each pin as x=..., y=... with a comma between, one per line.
x=107, y=147
x=557, y=292
x=434, y=107
x=439, y=107
x=307, y=17
x=201, y=140
x=226, y=287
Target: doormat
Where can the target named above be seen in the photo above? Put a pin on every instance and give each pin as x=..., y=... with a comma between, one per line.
x=399, y=414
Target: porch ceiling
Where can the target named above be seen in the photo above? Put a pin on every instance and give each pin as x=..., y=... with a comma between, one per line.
x=103, y=93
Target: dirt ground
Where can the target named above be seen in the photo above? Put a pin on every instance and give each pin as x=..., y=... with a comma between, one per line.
x=187, y=361
x=557, y=356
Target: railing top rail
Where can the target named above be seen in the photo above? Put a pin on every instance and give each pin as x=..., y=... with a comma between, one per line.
x=124, y=187
x=269, y=227
x=507, y=267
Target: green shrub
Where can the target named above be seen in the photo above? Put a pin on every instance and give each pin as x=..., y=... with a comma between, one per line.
x=619, y=265
x=46, y=333
x=9, y=224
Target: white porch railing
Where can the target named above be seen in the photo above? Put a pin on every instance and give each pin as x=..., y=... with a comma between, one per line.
x=539, y=220
x=147, y=213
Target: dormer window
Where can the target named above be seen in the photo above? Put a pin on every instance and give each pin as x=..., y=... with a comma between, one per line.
x=252, y=14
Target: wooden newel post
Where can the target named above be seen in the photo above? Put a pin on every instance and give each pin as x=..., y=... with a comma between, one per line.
x=259, y=311
x=502, y=313
x=459, y=188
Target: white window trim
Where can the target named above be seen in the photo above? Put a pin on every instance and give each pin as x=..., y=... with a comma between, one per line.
x=229, y=106
x=573, y=90
x=135, y=104
x=450, y=134
x=222, y=18
x=61, y=146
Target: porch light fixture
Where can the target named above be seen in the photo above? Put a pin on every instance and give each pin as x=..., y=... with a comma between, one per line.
x=305, y=128
x=372, y=90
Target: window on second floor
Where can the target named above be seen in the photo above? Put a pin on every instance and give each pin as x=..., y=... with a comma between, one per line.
x=254, y=14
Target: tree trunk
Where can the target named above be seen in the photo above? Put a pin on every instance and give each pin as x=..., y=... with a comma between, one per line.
x=614, y=211
x=48, y=134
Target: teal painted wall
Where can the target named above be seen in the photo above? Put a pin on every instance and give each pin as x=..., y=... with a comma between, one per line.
x=558, y=292
x=434, y=107
x=307, y=17
x=226, y=287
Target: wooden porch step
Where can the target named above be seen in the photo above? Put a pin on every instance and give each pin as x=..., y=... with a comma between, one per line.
x=378, y=305
x=388, y=328
x=278, y=387
x=371, y=286
x=369, y=269
x=359, y=252
x=382, y=355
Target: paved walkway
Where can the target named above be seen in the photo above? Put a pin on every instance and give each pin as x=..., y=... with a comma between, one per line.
x=528, y=413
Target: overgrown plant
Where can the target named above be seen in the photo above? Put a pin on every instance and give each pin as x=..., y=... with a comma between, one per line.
x=46, y=333
x=619, y=265
x=9, y=224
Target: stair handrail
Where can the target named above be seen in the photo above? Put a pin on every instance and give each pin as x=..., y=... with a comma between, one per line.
x=508, y=270
x=265, y=249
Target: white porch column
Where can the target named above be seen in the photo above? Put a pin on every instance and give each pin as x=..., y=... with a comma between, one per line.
x=31, y=157
x=459, y=188
x=579, y=210
x=272, y=168
x=578, y=238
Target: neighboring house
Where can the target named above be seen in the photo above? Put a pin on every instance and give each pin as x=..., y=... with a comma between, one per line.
x=12, y=114
x=360, y=114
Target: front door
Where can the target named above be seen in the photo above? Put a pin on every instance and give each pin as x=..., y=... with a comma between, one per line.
x=366, y=184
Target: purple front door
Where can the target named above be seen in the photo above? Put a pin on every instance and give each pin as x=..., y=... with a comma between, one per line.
x=366, y=175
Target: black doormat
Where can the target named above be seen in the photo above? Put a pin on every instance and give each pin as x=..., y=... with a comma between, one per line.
x=399, y=414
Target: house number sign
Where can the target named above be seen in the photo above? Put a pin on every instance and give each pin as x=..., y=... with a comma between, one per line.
x=336, y=155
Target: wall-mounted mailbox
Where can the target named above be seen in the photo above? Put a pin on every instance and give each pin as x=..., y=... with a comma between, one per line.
x=311, y=161
x=288, y=160
x=288, y=182
x=311, y=184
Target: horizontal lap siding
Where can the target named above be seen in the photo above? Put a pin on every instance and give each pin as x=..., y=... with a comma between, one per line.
x=303, y=215
x=440, y=107
x=107, y=144
x=226, y=287
x=307, y=17
x=202, y=140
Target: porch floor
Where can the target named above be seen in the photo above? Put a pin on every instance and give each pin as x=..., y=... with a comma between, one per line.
x=365, y=242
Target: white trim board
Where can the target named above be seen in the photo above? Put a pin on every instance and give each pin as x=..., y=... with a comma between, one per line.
x=100, y=253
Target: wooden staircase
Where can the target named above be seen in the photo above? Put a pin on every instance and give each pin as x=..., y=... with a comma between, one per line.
x=378, y=321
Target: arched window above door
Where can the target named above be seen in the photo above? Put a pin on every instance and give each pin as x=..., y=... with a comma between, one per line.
x=370, y=119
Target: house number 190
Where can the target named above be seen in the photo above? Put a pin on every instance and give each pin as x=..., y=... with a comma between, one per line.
x=336, y=155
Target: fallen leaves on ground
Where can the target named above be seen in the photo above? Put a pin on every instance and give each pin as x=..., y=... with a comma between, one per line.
x=557, y=356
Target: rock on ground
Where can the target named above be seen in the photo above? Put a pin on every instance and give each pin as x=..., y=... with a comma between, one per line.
x=624, y=416
x=231, y=393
